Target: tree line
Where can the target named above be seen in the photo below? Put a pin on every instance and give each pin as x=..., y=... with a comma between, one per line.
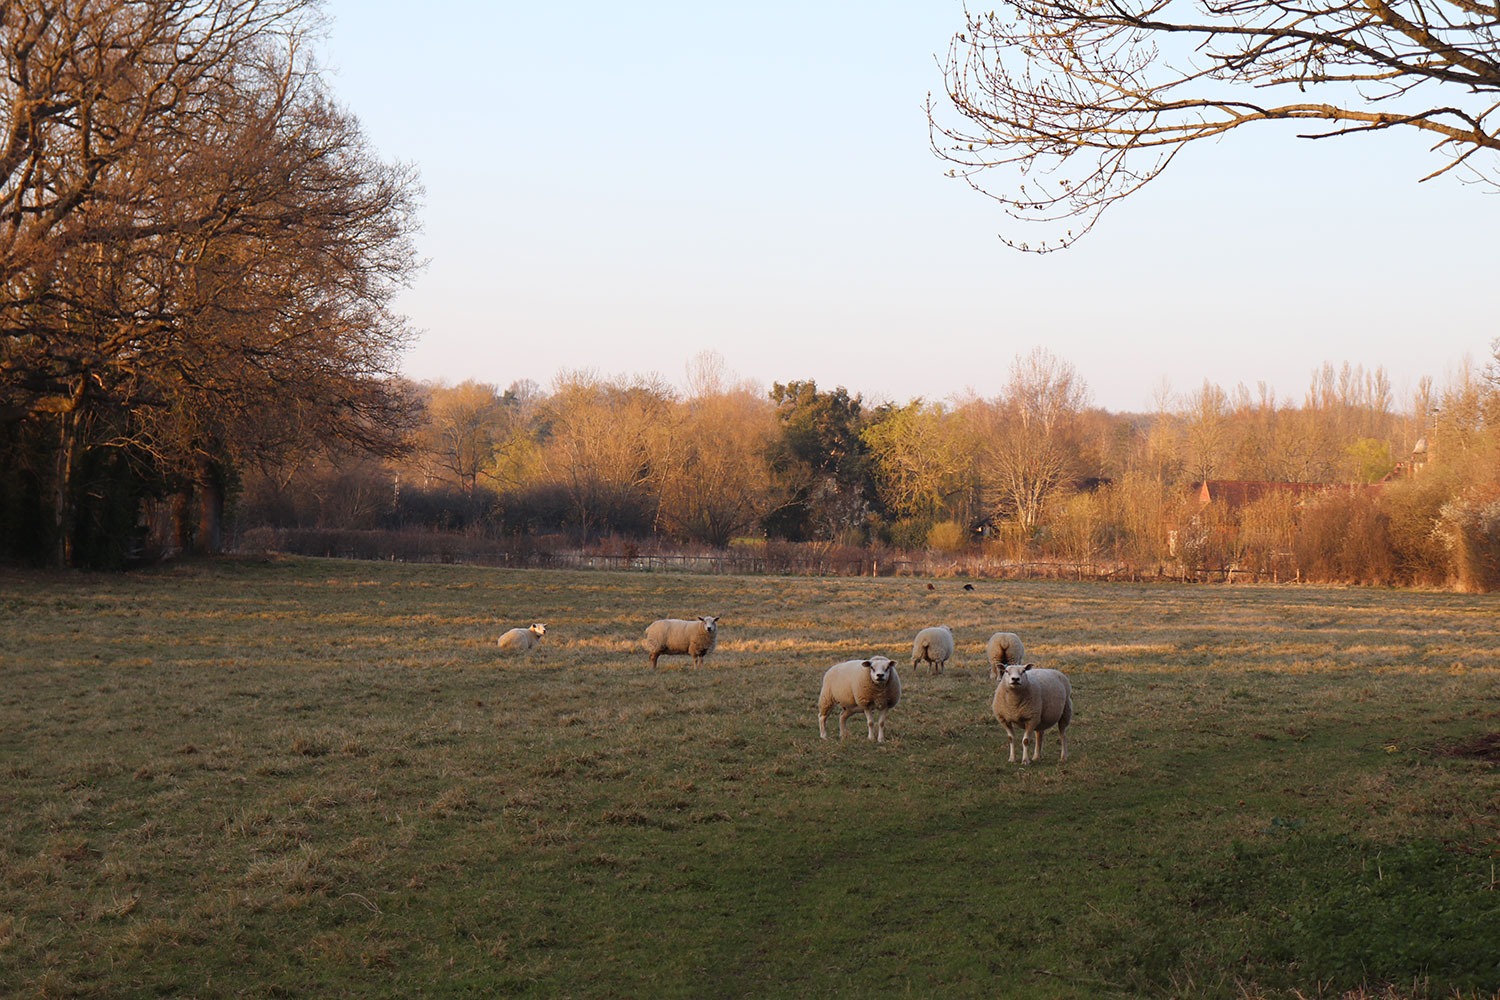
x=1394, y=491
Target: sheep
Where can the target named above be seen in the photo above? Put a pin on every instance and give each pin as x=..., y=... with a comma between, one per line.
x=1038, y=699
x=522, y=639
x=693, y=636
x=935, y=645
x=872, y=685
x=1003, y=648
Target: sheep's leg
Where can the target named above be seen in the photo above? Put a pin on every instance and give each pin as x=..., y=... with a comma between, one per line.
x=1062, y=739
x=654, y=656
x=1036, y=751
x=1012, y=734
x=880, y=726
x=869, y=724
x=844, y=714
x=1026, y=735
x=823, y=723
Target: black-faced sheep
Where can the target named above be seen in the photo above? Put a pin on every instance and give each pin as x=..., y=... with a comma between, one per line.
x=1003, y=648
x=522, y=639
x=694, y=637
x=870, y=685
x=935, y=645
x=1037, y=699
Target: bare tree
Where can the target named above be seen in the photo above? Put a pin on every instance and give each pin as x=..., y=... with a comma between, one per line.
x=1080, y=104
x=1030, y=441
x=715, y=479
x=1205, y=427
x=604, y=448
x=461, y=430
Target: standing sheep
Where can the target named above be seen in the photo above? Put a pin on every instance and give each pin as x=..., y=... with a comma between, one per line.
x=522, y=639
x=935, y=645
x=1003, y=648
x=1037, y=699
x=871, y=685
x=693, y=636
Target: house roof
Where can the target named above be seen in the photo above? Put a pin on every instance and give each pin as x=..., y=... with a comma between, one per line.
x=1235, y=493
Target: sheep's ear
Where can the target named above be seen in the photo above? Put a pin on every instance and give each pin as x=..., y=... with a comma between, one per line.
x=868, y=665
x=1027, y=667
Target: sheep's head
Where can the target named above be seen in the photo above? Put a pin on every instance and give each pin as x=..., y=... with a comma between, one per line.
x=1015, y=674
x=710, y=623
x=540, y=628
x=880, y=669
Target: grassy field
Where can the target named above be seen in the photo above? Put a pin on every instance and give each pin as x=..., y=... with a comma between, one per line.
x=305, y=778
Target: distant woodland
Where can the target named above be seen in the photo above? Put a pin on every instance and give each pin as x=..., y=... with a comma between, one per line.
x=1344, y=483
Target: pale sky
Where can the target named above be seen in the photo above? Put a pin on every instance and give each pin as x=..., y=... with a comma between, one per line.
x=619, y=187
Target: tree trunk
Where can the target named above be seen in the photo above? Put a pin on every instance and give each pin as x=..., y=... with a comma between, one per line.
x=210, y=508
x=62, y=506
x=182, y=520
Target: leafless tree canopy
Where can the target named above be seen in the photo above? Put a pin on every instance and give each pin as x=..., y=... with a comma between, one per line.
x=1063, y=107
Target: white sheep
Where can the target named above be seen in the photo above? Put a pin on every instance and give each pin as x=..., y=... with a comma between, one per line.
x=522, y=639
x=872, y=685
x=1003, y=648
x=1038, y=699
x=692, y=636
x=935, y=645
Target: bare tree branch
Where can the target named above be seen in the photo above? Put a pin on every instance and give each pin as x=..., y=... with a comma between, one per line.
x=1074, y=106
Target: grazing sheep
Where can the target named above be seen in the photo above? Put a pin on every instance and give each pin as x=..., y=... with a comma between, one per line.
x=522, y=639
x=871, y=685
x=693, y=636
x=1003, y=648
x=935, y=645
x=1037, y=699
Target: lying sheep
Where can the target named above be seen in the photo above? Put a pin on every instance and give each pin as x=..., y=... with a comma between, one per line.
x=935, y=645
x=693, y=636
x=522, y=639
x=1003, y=648
x=871, y=685
x=1038, y=699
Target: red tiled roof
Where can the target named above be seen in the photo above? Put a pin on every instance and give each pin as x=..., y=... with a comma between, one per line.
x=1238, y=493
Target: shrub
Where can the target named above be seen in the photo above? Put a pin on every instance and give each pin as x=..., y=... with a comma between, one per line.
x=1345, y=537
x=1471, y=531
x=908, y=533
x=1080, y=527
x=1413, y=510
x=1268, y=530
x=947, y=536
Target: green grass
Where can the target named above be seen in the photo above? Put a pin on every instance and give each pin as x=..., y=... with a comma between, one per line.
x=317, y=778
